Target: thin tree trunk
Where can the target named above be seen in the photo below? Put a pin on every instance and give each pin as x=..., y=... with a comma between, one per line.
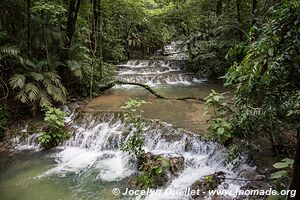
x=295, y=184
x=100, y=39
x=254, y=11
x=44, y=37
x=92, y=77
x=28, y=26
x=219, y=9
x=71, y=22
x=93, y=40
x=238, y=10
x=94, y=33
x=127, y=46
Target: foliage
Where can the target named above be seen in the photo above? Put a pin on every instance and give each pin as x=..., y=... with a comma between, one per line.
x=236, y=53
x=134, y=145
x=209, y=59
x=220, y=127
x=54, y=133
x=39, y=63
x=267, y=78
x=267, y=82
x=210, y=28
x=282, y=177
x=38, y=85
x=141, y=29
x=151, y=170
x=3, y=120
x=221, y=130
x=233, y=154
x=210, y=182
x=284, y=166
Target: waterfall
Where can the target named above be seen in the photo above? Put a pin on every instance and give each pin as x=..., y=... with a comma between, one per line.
x=95, y=143
x=92, y=155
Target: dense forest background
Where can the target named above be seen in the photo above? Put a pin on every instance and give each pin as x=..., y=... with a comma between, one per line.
x=53, y=48
x=52, y=51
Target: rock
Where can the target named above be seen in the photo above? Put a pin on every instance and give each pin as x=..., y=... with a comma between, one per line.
x=176, y=164
x=159, y=168
x=207, y=183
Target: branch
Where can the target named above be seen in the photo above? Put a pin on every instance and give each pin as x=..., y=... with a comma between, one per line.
x=148, y=88
x=191, y=98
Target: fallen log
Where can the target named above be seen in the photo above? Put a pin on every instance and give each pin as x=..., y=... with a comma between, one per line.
x=147, y=87
x=191, y=98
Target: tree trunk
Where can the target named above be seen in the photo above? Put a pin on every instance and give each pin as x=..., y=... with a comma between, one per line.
x=295, y=184
x=100, y=46
x=28, y=26
x=93, y=40
x=94, y=33
x=219, y=9
x=254, y=11
x=71, y=22
x=238, y=10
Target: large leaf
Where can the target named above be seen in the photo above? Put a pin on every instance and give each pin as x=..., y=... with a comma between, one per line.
x=221, y=130
x=288, y=160
x=279, y=174
x=281, y=165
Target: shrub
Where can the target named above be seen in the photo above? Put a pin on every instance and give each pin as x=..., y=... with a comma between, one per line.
x=54, y=133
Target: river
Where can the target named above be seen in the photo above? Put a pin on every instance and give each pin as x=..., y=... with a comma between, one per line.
x=89, y=165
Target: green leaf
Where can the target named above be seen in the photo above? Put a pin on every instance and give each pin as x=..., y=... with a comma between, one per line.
x=157, y=170
x=271, y=52
x=217, y=98
x=221, y=131
x=280, y=165
x=279, y=174
x=288, y=161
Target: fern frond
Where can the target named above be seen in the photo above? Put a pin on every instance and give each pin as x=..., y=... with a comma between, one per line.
x=22, y=96
x=37, y=76
x=9, y=51
x=17, y=81
x=32, y=91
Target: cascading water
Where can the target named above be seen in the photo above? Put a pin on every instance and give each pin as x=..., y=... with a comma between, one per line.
x=90, y=164
x=158, y=72
x=93, y=153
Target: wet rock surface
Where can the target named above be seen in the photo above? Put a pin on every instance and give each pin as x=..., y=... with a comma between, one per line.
x=207, y=183
x=162, y=168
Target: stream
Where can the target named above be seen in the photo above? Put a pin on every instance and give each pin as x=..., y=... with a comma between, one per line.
x=89, y=165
